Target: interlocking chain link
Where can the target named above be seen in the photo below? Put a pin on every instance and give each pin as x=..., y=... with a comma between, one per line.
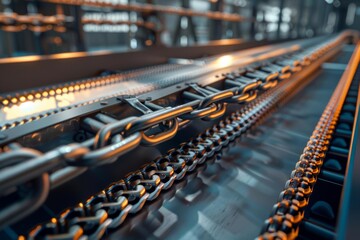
x=109, y=208
x=289, y=211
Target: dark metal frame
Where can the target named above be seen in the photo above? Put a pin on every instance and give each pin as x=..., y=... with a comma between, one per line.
x=348, y=222
x=71, y=113
x=25, y=73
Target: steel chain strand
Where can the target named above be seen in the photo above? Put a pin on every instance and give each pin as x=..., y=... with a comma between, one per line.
x=86, y=155
x=30, y=197
x=71, y=153
x=109, y=208
x=288, y=213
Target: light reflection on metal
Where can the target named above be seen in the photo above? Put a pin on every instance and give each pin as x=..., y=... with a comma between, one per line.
x=13, y=22
x=15, y=109
x=154, y=8
x=351, y=12
x=224, y=61
x=27, y=108
x=113, y=22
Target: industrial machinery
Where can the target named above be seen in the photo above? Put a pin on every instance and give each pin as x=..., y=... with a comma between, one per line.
x=225, y=140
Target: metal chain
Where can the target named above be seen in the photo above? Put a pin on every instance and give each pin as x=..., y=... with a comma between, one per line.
x=288, y=213
x=115, y=139
x=108, y=209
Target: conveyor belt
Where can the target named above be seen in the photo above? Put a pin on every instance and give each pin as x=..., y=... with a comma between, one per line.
x=255, y=172
x=231, y=199
x=32, y=103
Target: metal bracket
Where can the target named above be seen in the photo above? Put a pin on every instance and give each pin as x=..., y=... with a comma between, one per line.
x=135, y=103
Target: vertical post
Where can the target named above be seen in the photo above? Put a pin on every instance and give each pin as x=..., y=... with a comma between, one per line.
x=264, y=26
x=190, y=25
x=321, y=18
x=325, y=17
x=5, y=41
x=253, y=16
x=300, y=16
x=236, y=25
x=281, y=7
x=39, y=36
x=342, y=11
x=178, y=31
x=310, y=16
x=316, y=19
x=78, y=29
x=216, y=25
x=153, y=35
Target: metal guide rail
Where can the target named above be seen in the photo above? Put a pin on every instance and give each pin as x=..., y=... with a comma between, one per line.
x=105, y=138
x=305, y=210
x=149, y=181
x=24, y=107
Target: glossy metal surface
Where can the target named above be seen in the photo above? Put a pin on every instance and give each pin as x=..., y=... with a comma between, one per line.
x=141, y=83
x=244, y=184
x=232, y=197
x=156, y=8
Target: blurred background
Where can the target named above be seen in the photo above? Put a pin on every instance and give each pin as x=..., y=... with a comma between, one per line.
x=40, y=27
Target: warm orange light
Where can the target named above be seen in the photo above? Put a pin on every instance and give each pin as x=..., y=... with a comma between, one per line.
x=224, y=61
x=68, y=55
x=20, y=59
